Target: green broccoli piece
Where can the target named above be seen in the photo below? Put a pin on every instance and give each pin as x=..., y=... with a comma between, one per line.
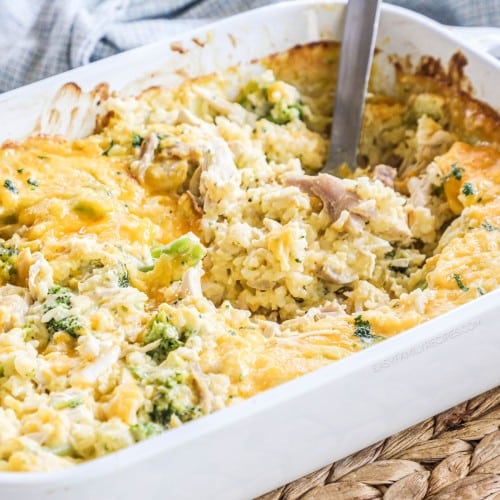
x=363, y=330
x=187, y=246
x=71, y=325
x=170, y=338
x=187, y=249
x=253, y=97
x=8, y=262
x=161, y=329
x=137, y=140
x=165, y=407
x=171, y=398
x=146, y=430
x=60, y=296
x=282, y=114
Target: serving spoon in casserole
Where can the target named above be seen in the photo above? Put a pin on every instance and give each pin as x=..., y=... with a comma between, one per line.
x=356, y=53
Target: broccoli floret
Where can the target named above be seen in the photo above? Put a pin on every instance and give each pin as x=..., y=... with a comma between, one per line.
x=174, y=396
x=170, y=338
x=161, y=329
x=146, y=430
x=8, y=261
x=71, y=325
x=363, y=330
x=282, y=114
x=253, y=97
x=62, y=298
x=59, y=296
x=185, y=251
x=165, y=407
x=188, y=247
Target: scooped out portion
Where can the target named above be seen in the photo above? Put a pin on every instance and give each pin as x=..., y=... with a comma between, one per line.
x=188, y=255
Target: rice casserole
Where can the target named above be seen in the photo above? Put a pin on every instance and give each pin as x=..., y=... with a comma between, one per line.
x=187, y=255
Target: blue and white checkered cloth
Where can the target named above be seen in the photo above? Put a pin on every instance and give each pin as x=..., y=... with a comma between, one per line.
x=39, y=38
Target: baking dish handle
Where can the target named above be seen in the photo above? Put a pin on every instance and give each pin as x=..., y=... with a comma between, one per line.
x=482, y=38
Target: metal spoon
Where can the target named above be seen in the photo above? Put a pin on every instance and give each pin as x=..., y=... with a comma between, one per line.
x=358, y=41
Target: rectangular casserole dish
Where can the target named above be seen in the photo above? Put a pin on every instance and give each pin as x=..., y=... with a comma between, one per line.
x=300, y=426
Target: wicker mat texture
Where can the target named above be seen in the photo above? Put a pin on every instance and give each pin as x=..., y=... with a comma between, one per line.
x=452, y=456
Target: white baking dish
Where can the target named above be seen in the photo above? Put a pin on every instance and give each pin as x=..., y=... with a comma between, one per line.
x=302, y=425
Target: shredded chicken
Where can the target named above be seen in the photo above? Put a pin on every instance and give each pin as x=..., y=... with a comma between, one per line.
x=194, y=190
x=420, y=191
x=385, y=174
x=233, y=111
x=146, y=156
x=329, y=309
x=40, y=277
x=14, y=303
x=219, y=176
x=402, y=263
x=269, y=328
x=194, y=182
x=191, y=282
x=205, y=396
x=328, y=274
x=185, y=116
x=195, y=202
x=181, y=151
x=430, y=140
x=331, y=190
x=214, y=181
x=89, y=374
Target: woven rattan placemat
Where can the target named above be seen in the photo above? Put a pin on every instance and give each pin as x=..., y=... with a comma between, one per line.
x=454, y=455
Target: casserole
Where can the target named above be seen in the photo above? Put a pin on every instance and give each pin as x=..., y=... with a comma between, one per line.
x=56, y=118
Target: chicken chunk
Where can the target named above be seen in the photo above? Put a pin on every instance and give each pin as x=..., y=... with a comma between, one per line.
x=331, y=190
x=385, y=174
x=146, y=156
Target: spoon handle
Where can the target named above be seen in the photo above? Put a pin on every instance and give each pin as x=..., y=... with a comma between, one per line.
x=358, y=42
